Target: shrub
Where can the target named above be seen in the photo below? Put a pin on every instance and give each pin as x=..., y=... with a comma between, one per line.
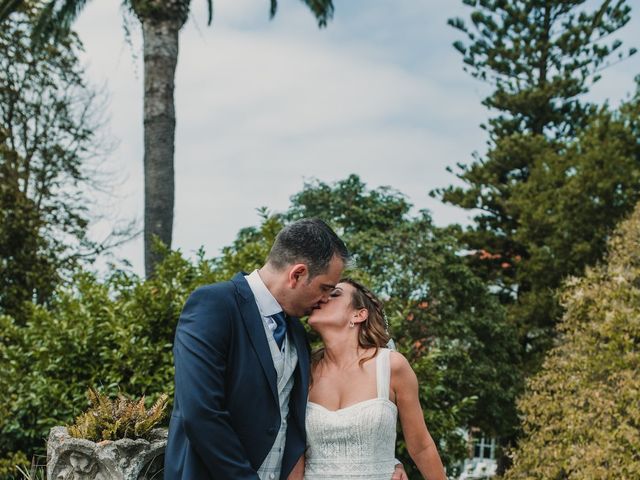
x=12, y=464
x=581, y=412
x=116, y=333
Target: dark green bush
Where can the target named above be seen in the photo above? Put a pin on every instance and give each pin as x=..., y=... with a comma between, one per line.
x=116, y=334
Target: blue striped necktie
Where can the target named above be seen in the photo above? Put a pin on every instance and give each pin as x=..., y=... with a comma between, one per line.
x=281, y=328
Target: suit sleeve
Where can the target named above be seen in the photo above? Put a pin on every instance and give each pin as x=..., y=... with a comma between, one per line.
x=200, y=353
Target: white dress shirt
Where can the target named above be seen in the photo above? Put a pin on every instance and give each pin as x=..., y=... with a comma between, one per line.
x=285, y=361
x=267, y=304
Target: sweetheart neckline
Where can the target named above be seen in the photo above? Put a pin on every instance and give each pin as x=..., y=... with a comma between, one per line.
x=352, y=405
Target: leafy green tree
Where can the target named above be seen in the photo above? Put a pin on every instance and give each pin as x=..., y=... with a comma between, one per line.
x=581, y=411
x=47, y=136
x=441, y=315
x=539, y=217
x=161, y=22
x=575, y=193
x=568, y=208
x=250, y=248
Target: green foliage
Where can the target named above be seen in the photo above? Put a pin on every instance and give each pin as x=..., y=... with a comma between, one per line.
x=575, y=195
x=441, y=315
x=581, y=412
x=536, y=231
x=46, y=136
x=559, y=173
x=35, y=472
x=116, y=333
x=9, y=466
x=108, y=419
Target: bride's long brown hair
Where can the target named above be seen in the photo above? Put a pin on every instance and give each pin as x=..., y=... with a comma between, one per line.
x=372, y=333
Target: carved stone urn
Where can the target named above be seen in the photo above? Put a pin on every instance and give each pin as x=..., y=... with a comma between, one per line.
x=71, y=458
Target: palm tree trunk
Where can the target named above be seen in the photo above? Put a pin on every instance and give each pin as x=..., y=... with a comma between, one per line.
x=160, y=58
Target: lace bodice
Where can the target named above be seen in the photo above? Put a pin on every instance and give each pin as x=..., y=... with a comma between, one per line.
x=356, y=442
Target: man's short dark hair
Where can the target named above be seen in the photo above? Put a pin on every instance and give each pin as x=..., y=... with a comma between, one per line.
x=310, y=241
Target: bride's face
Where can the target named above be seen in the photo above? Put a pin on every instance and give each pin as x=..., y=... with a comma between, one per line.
x=337, y=312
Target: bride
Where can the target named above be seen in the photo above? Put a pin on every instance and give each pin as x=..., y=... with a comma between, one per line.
x=358, y=389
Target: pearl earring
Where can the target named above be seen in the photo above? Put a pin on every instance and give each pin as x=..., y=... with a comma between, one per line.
x=351, y=324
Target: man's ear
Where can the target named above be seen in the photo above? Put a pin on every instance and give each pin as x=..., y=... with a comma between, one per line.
x=297, y=273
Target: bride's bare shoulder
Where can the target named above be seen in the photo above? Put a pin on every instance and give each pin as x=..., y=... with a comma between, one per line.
x=401, y=370
x=398, y=360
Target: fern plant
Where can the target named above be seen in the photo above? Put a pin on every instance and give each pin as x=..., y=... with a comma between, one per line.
x=114, y=419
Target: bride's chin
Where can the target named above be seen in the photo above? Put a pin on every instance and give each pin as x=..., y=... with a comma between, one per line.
x=314, y=323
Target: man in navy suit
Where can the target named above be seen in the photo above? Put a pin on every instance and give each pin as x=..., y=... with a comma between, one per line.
x=242, y=362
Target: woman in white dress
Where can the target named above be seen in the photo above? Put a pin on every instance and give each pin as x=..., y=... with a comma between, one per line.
x=358, y=389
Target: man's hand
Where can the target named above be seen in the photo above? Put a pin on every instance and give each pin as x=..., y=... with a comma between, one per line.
x=399, y=473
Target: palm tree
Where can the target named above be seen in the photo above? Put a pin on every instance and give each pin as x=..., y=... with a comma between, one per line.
x=161, y=21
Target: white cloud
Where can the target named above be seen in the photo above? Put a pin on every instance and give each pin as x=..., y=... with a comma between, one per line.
x=263, y=105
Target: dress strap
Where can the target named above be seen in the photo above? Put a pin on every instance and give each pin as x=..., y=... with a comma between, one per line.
x=383, y=372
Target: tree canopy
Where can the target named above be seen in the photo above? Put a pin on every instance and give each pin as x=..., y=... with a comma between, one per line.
x=47, y=137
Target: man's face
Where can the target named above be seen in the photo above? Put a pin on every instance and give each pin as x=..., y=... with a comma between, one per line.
x=337, y=312
x=307, y=295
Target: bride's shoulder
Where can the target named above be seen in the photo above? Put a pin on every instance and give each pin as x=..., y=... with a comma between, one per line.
x=402, y=375
x=398, y=362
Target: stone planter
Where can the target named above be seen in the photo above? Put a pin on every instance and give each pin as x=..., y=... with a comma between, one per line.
x=71, y=458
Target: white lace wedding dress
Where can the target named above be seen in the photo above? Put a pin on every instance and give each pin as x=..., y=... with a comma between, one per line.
x=356, y=442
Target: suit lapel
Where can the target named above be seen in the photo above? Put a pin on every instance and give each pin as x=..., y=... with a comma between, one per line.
x=253, y=324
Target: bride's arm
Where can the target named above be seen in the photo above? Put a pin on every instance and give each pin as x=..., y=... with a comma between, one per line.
x=298, y=470
x=420, y=445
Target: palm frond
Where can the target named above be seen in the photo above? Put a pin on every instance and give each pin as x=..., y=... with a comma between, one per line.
x=7, y=7
x=273, y=9
x=55, y=19
x=69, y=11
x=322, y=9
x=210, y=11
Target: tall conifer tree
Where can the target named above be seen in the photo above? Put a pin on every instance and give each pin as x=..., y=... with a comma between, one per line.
x=541, y=57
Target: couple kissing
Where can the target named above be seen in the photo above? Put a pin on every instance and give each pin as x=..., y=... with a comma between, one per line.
x=252, y=402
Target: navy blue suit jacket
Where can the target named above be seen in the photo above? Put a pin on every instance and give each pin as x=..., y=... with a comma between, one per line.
x=226, y=414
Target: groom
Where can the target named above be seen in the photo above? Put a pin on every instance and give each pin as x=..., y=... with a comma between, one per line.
x=242, y=363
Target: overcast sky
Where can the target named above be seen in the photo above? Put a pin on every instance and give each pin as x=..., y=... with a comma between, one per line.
x=264, y=105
